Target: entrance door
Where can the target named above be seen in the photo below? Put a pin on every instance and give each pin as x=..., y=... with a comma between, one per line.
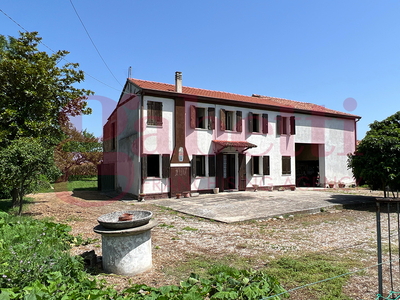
x=242, y=172
x=220, y=173
x=229, y=171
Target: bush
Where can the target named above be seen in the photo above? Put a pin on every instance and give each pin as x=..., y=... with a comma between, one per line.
x=35, y=264
x=31, y=249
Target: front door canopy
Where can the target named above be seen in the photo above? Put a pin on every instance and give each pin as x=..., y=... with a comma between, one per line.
x=240, y=146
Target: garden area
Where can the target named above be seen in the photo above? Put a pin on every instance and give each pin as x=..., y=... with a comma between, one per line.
x=193, y=258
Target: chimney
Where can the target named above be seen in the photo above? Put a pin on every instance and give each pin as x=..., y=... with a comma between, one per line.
x=178, y=82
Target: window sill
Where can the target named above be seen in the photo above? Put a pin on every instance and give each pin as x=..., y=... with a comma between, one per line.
x=203, y=129
x=152, y=177
x=154, y=126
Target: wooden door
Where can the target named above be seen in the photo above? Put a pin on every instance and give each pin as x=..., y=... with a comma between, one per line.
x=242, y=172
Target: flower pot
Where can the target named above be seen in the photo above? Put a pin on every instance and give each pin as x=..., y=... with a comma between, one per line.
x=342, y=185
x=186, y=194
x=331, y=185
x=293, y=188
x=178, y=196
x=216, y=190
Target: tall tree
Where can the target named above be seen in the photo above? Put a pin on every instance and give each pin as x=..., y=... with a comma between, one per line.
x=78, y=154
x=37, y=96
x=377, y=158
x=36, y=91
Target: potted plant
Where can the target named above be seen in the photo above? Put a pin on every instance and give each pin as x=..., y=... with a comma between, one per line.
x=292, y=187
x=216, y=190
x=141, y=197
x=331, y=184
x=186, y=194
x=255, y=187
x=178, y=195
x=342, y=185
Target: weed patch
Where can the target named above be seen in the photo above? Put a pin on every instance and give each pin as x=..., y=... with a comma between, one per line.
x=295, y=272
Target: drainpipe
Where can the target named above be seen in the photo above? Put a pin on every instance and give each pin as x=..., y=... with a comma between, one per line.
x=141, y=141
x=355, y=131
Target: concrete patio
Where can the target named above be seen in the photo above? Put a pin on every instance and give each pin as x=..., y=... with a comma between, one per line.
x=231, y=207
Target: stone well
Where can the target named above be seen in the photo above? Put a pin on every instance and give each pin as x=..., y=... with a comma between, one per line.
x=126, y=245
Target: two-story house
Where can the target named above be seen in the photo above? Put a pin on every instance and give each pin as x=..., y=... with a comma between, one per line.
x=163, y=139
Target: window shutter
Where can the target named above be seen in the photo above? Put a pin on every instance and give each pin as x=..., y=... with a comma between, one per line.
x=192, y=116
x=265, y=123
x=252, y=166
x=266, y=165
x=284, y=125
x=286, y=165
x=278, y=125
x=250, y=117
x=292, y=125
x=211, y=118
x=238, y=121
x=158, y=113
x=165, y=166
x=211, y=165
x=150, y=113
x=223, y=119
x=144, y=166
x=194, y=166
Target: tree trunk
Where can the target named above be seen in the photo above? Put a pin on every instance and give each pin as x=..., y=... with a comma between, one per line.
x=14, y=194
x=21, y=202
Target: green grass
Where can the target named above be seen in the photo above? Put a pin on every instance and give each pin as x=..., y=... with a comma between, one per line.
x=89, y=184
x=5, y=205
x=200, y=264
x=291, y=272
x=294, y=272
x=188, y=228
x=83, y=185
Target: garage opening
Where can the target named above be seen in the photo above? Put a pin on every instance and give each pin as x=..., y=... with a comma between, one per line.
x=307, y=165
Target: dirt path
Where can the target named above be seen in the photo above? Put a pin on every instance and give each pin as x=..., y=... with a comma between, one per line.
x=181, y=243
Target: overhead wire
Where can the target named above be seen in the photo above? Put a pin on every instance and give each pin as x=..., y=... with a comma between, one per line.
x=94, y=45
x=86, y=73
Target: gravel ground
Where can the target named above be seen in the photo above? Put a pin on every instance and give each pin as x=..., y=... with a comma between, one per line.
x=180, y=239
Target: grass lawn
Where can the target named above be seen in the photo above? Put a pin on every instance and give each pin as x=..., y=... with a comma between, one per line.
x=87, y=184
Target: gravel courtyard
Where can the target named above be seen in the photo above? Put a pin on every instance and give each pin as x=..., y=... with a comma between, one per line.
x=182, y=242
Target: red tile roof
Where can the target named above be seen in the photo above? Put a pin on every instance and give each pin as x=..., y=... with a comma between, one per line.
x=255, y=99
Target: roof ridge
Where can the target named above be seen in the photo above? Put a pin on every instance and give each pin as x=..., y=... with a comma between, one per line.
x=195, y=88
x=254, y=98
x=279, y=98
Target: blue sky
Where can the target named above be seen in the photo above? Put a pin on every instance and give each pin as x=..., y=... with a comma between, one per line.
x=321, y=52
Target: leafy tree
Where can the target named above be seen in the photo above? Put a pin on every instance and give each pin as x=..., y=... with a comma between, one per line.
x=36, y=94
x=78, y=154
x=37, y=97
x=377, y=158
x=22, y=165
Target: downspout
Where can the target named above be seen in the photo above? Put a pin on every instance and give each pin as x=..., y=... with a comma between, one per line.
x=141, y=142
x=355, y=133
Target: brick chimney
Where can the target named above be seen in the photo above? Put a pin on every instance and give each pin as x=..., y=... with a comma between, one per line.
x=178, y=82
